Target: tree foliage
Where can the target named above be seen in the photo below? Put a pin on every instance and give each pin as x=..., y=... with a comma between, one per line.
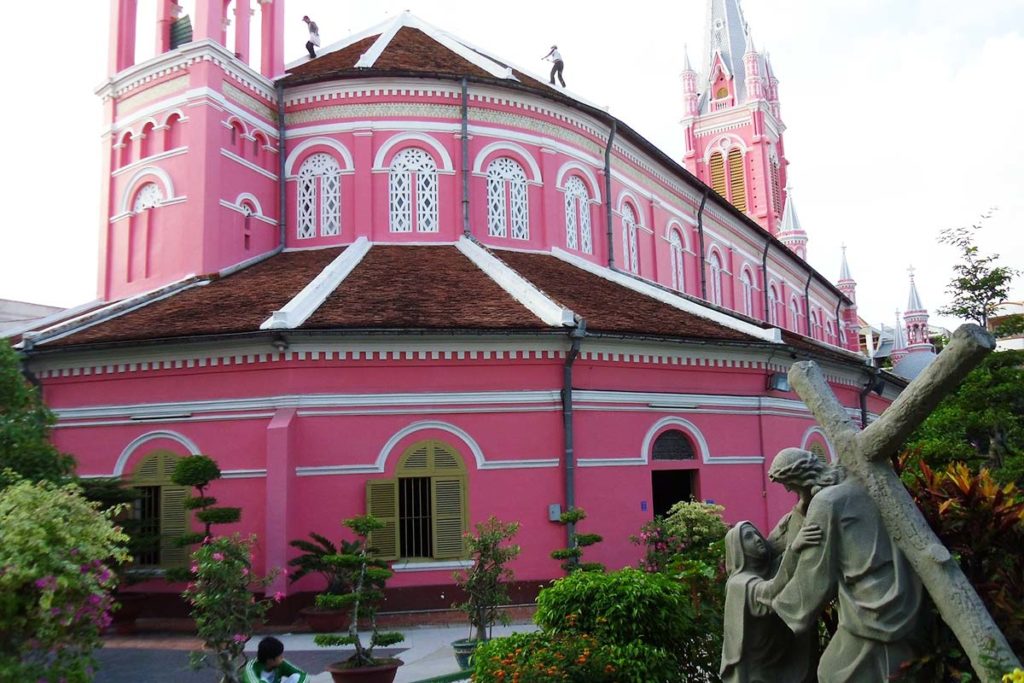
x=25, y=424
x=486, y=582
x=978, y=285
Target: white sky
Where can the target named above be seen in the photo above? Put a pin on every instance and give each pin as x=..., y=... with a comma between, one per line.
x=904, y=117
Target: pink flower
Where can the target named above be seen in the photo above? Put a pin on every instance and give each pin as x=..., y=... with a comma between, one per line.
x=218, y=557
x=239, y=638
x=278, y=596
x=194, y=568
x=245, y=572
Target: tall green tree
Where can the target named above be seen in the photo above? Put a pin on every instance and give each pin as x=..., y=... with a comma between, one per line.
x=25, y=424
x=979, y=285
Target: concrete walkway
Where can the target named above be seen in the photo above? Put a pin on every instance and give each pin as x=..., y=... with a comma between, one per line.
x=426, y=651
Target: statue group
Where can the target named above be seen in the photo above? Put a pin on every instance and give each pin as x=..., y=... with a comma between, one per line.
x=833, y=544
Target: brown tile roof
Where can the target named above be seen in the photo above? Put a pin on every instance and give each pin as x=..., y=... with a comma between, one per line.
x=430, y=287
x=609, y=307
x=236, y=303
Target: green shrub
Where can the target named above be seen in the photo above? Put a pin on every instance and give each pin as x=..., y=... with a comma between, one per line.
x=486, y=582
x=570, y=556
x=198, y=471
x=540, y=657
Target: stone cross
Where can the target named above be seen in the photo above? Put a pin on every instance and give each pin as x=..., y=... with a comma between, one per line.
x=865, y=455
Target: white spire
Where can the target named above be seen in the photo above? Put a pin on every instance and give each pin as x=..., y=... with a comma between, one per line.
x=844, y=268
x=899, y=340
x=790, y=222
x=914, y=303
x=686, y=58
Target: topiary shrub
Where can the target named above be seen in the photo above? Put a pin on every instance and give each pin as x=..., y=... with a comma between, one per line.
x=198, y=471
x=570, y=556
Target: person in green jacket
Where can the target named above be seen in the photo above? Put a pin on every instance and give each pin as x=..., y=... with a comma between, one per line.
x=270, y=666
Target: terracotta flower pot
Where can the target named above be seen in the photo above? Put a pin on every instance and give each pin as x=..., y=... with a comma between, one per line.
x=382, y=673
x=325, y=620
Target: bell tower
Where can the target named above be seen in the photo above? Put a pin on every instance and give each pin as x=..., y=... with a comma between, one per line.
x=732, y=127
x=190, y=136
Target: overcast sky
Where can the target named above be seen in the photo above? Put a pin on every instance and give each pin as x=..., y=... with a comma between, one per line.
x=903, y=117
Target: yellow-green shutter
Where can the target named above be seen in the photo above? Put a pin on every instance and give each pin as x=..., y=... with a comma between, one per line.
x=737, y=180
x=448, y=500
x=173, y=524
x=718, y=174
x=382, y=503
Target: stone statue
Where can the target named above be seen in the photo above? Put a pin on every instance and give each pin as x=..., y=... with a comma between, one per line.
x=878, y=592
x=758, y=647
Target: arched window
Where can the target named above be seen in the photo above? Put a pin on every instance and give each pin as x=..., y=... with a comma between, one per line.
x=319, y=196
x=717, y=165
x=507, y=209
x=148, y=197
x=141, y=226
x=773, y=305
x=423, y=508
x=147, y=141
x=172, y=133
x=236, y=136
x=675, y=250
x=715, y=268
x=830, y=332
x=248, y=210
x=160, y=512
x=124, y=156
x=673, y=445
x=629, y=239
x=258, y=141
x=413, y=192
x=815, y=325
x=578, y=233
x=748, y=292
x=794, y=315
x=737, y=180
x=819, y=450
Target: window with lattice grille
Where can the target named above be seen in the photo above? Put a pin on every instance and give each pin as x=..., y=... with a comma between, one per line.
x=737, y=180
x=507, y=209
x=423, y=508
x=717, y=166
x=160, y=512
x=715, y=268
x=673, y=445
x=578, y=234
x=319, y=203
x=630, y=239
x=149, y=196
x=412, y=192
x=675, y=248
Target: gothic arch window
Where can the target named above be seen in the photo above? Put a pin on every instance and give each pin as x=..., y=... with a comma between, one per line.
x=747, y=281
x=507, y=205
x=794, y=314
x=816, y=325
x=147, y=140
x=675, y=250
x=159, y=511
x=319, y=202
x=172, y=132
x=124, y=156
x=578, y=232
x=424, y=508
x=673, y=444
x=773, y=305
x=630, y=239
x=258, y=142
x=237, y=131
x=412, y=192
x=830, y=331
x=715, y=268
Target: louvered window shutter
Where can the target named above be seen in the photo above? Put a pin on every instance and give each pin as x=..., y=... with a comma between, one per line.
x=737, y=180
x=173, y=524
x=718, y=174
x=382, y=503
x=448, y=499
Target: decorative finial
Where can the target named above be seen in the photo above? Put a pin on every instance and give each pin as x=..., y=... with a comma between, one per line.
x=911, y=270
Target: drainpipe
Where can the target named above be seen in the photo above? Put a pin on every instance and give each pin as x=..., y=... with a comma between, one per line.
x=700, y=257
x=608, y=192
x=465, y=157
x=839, y=302
x=764, y=281
x=807, y=303
x=281, y=163
x=576, y=335
x=872, y=380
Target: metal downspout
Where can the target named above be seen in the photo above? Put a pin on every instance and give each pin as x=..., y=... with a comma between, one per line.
x=839, y=302
x=700, y=257
x=465, y=157
x=807, y=304
x=281, y=163
x=872, y=379
x=764, y=282
x=576, y=335
x=608, y=193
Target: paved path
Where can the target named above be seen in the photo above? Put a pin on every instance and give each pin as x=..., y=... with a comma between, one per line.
x=426, y=652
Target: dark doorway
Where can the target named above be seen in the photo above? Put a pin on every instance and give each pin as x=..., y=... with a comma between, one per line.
x=668, y=487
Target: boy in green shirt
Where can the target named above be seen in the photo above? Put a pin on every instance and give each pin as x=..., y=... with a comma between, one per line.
x=270, y=665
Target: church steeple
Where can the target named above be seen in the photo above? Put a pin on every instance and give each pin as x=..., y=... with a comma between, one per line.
x=916, y=319
x=733, y=133
x=790, y=232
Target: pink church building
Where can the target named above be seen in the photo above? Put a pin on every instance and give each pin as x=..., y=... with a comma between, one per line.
x=409, y=278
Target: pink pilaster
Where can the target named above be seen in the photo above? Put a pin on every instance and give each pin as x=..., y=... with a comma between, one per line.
x=209, y=23
x=243, y=13
x=272, y=59
x=280, y=471
x=362, y=157
x=166, y=13
x=122, y=35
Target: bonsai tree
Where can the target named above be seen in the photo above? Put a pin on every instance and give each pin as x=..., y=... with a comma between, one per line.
x=370, y=575
x=315, y=559
x=570, y=556
x=198, y=471
x=486, y=582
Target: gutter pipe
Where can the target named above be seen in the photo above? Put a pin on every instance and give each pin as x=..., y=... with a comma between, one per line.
x=872, y=382
x=465, y=157
x=608, y=192
x=764, y=282
x=807, y=303
x=281, y=164
x=576, y=335
x=700, y=257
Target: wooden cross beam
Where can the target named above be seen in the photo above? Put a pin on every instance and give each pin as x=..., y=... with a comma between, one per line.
x=865, y=455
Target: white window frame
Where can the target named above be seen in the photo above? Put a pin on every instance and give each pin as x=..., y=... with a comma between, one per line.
x=413, y=192
x=508, y=209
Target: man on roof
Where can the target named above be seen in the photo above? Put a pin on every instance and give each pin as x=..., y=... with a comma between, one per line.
x=314, y=37
x=555, y=56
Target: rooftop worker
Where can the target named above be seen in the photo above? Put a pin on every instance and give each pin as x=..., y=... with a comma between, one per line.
x=314, y=36
x=270, y=666
x=555, y=56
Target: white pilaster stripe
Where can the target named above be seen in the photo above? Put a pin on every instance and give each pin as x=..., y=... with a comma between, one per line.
x=773, y=335
x=519, y=288
x=303, y=304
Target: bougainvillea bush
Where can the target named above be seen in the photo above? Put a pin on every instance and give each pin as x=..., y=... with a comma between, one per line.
x=223, y=604
x=55, y=581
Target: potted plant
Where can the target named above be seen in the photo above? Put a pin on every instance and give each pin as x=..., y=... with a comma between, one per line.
x=369, y=577
x=485, y=583
x=340, y=580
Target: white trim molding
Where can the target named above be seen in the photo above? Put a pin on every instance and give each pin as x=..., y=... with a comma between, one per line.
x=129, y=450
x=300, y=149
x=439, y=151
x=510, y=146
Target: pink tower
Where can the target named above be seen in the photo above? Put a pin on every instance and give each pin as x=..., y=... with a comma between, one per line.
x=848, y=286
x=190, y=174
x=915, y=318
x=733, y=131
